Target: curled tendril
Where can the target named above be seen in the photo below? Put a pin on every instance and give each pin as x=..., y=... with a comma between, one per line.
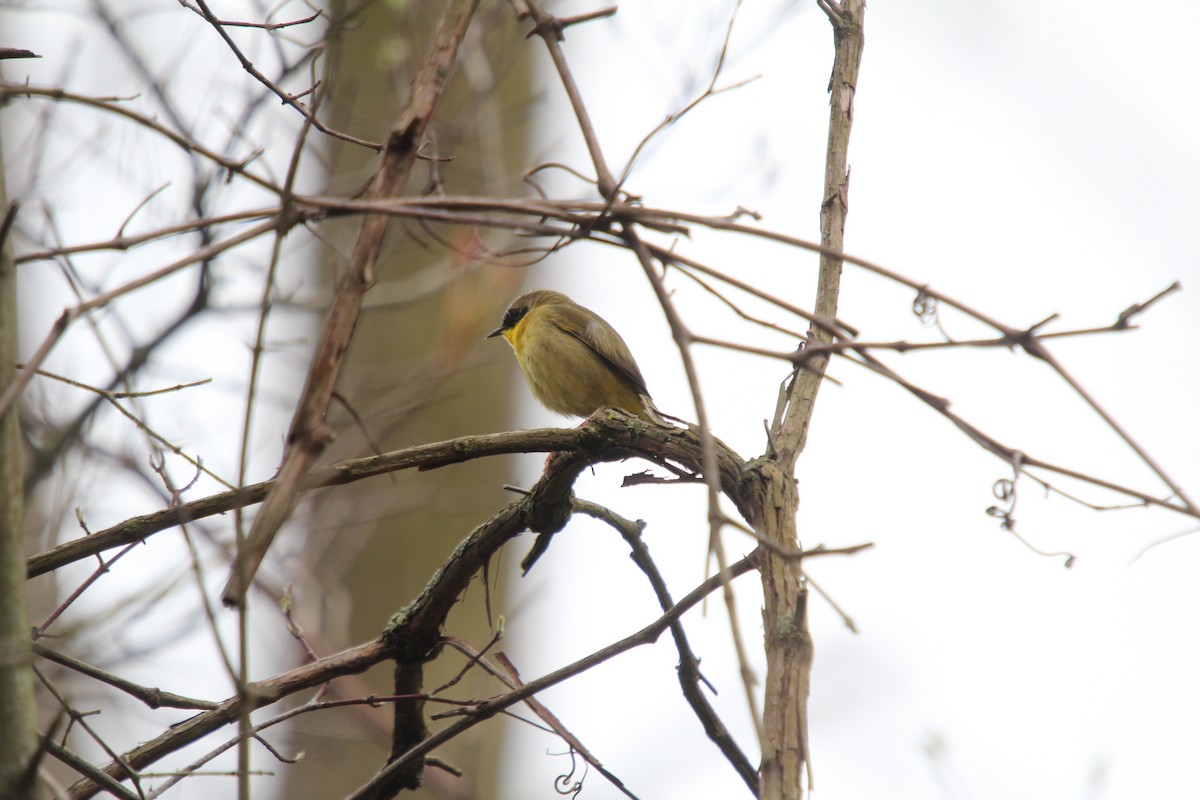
x=565, y=784
x=925, y=308
x=1005, y=491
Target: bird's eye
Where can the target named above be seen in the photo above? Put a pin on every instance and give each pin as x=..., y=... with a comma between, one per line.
x=512, y=317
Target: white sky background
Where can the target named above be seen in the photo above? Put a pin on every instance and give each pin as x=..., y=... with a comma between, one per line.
x=1027, y=161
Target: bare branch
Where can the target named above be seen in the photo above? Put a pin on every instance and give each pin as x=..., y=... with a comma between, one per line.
x=309, y=434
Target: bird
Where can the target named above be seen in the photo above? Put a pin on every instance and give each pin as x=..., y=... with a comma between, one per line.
x=572, y=359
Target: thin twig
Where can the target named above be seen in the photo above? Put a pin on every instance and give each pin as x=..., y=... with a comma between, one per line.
x=689, y=665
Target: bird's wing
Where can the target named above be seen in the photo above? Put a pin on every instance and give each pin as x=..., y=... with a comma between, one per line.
x=604, y=341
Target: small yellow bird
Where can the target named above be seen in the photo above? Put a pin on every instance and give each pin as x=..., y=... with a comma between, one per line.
x=573, y=361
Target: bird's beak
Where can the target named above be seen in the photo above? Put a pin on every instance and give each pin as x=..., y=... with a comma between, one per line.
x=496, y=332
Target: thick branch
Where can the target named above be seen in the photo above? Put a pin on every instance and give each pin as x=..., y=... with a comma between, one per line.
x=489, y=708
x=607, y=437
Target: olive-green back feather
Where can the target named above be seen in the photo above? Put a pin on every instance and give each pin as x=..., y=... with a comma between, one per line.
x=604, y=341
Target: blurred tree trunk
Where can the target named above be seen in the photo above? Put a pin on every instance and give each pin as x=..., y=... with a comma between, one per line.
x=416, y=372
x=17, y=710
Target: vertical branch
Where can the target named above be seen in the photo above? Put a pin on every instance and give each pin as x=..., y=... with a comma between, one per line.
x=785, y=624
x=17, y=710
x=846, y=19
x=785, y=637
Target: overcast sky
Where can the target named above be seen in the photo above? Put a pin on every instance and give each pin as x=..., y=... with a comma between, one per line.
x=1027, y=160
